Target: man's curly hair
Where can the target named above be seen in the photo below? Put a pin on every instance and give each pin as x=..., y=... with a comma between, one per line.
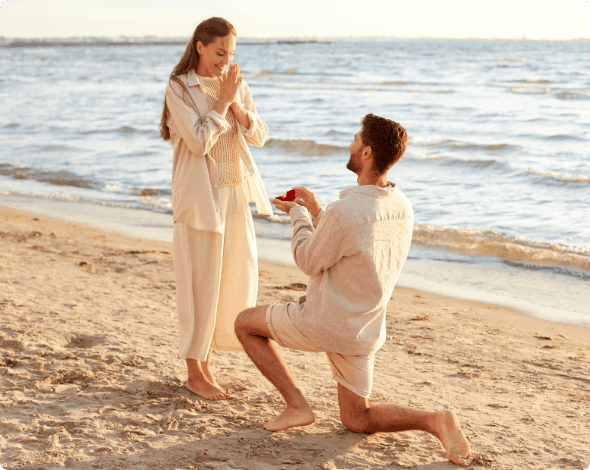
x=387, y=138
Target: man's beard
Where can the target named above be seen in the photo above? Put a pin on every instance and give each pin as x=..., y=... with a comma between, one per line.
x=352, y=164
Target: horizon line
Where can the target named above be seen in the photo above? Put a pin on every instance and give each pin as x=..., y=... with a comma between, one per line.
x=282, y=38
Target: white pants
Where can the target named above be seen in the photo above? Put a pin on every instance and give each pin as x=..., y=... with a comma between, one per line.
x=216, y=278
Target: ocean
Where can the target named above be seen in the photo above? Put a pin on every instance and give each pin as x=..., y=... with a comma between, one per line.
x=497, y=167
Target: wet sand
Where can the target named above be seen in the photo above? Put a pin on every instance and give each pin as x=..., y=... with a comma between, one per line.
x=89, y=375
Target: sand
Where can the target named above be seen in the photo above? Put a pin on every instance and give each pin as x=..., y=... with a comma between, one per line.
x=90, y=379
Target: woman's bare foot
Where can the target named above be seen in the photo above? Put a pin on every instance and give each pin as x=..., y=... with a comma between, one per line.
x=290, y=418
x=449, y=433
x=206, y=390
x=201, y=381
x=209, y=376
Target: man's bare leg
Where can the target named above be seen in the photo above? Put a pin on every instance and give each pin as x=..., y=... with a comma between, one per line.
x=254, y=335
x=359, y=416
x=201, y=382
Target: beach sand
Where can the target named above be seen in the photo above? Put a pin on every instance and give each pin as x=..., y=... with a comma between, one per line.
x=89, y=374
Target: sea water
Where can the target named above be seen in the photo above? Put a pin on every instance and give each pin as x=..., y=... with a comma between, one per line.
x=498, y=155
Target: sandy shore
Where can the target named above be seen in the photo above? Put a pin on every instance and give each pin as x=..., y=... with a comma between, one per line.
x=89, y=375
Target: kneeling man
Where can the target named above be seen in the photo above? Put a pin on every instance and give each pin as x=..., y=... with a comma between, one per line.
x=353, y=252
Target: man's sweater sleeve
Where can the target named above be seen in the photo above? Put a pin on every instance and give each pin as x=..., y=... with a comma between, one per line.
x=316, y=250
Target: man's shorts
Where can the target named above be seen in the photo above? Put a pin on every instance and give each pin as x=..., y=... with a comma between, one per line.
x=353, y=372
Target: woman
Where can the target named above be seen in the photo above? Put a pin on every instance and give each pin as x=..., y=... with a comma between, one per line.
x=210, y=119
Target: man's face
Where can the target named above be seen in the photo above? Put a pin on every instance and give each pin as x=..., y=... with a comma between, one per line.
x=356, y=148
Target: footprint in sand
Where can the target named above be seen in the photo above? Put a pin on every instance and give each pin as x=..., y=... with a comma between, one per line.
x=80, y=341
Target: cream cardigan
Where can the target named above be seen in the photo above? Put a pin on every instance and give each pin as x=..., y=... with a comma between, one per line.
x=195, y=179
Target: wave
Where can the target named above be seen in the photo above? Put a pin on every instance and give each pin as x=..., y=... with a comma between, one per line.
x=529, y=254
x=422, y=142
x=471, y=163
x=491, y=243
x=263, y=73
x=529, y=88
x=456, y=145
x=447, y=160
x=306, y=148
x=564, y=137
x=423, y=157
x=536, y=80
x=56, y=177
x=120, y=130
x=561, y=177
x=568, y=95
x=6, y=169
x=11, y=125
x=349, y=87
x=533, y=87
x=160, y=205
x=421, y=90
x=391, y=82
x=335, y=132
x=150, y=192
x=515, y=59
x=55, y=147
x=564, y=270
x=480, y=164
x=115, y=188
x=469, y=146
x=49, y=197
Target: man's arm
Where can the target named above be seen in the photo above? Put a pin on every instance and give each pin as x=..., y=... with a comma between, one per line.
x=317, y=250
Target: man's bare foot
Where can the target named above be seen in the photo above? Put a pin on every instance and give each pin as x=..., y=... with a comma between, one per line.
x=452, y=438
x=290, y=418
x=207, y=390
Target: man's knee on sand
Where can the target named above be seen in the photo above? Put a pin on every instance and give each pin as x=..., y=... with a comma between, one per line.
x=354, y=411
x=356, y=421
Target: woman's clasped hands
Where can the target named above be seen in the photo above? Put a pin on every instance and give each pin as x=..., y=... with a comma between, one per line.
x=229, y=84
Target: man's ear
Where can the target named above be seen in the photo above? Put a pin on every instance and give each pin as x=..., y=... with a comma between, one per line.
x=367, y=152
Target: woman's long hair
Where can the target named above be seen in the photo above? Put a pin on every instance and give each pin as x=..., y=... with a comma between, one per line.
x=207, y=32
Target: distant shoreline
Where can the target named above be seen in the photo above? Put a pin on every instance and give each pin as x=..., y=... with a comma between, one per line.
x=175, y=42
x=22, y=44
x=19, y=43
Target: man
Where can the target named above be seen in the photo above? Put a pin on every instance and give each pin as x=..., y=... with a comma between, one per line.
x=353, y=252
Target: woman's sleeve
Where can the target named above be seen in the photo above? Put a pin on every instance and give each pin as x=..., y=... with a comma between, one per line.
x=199, y=134
x=256, y=134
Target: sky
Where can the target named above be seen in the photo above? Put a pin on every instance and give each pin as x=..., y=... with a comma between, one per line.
x=503, y=19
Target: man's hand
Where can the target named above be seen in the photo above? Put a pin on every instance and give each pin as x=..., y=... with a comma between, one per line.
x=307, y=199
x=284, y=206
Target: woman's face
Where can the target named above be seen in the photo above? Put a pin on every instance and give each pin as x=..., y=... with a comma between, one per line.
x=215, y=56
